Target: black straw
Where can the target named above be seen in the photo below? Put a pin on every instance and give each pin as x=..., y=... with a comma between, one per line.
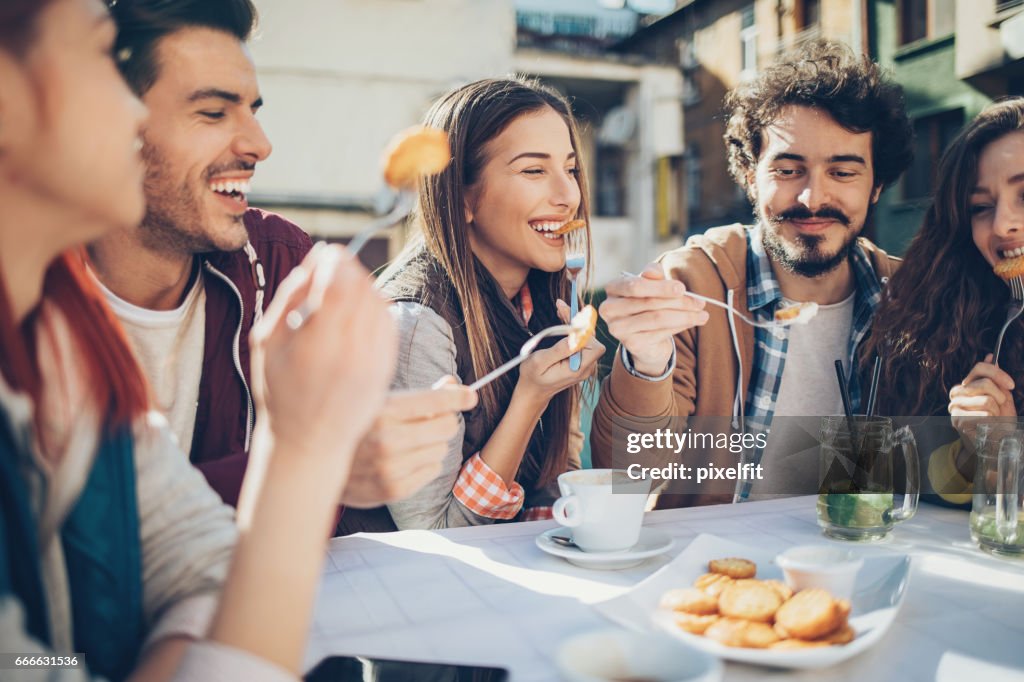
x=844, y=393
x=875, y=374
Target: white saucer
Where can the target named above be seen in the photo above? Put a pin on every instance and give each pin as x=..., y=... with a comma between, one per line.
x=651, y=543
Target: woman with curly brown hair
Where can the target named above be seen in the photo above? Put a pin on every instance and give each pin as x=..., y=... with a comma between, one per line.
x=938, y=325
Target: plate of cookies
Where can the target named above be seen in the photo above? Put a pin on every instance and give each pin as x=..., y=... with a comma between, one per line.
x=733, y=601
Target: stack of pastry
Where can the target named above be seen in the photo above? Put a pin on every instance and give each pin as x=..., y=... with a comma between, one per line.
x=729, y=605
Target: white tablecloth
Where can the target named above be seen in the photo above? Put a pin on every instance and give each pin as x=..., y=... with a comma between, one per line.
x=489, y=596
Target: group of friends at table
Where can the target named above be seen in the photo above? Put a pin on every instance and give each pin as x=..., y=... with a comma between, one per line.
x=174, y=456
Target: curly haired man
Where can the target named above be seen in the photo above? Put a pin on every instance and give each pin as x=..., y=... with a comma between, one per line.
x=813, y=140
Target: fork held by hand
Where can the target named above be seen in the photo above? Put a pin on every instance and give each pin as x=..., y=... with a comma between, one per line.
x=524, y=352
x=1013, y=310
x=575, y=262
x=774, y=326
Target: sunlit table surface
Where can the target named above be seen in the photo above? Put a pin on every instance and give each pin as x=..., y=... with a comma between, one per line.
x=488, y=596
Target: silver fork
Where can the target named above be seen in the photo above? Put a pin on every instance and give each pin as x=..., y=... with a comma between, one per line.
x=775, y=327
x=1013, y=310
x=524, y=352
x=575, y=262
x=404, y=203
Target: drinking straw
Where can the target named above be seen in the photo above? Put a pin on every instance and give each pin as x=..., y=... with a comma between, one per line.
x=844, y=393
x=875, y=373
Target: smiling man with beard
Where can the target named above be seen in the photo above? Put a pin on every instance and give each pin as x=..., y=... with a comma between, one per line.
x=813, y=140
x=190, y=281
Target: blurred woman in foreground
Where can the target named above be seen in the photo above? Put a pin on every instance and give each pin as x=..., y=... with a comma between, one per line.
x=111, y=544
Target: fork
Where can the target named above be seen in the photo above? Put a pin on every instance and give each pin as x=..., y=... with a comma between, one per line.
x=524, y=352
x=773, y=326
x=404, y=203
x=1013, y=310
x=575, y=262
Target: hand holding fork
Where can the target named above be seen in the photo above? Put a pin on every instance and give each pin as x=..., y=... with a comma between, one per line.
x=575, y=263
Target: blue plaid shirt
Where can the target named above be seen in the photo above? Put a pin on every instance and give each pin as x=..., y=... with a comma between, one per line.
x=763, y=298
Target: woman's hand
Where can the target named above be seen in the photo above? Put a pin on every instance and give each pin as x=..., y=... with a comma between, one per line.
x=318, y=388
x=986, y=392
x=546, y=372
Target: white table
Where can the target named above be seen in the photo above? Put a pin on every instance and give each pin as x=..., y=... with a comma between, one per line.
x=489, y=596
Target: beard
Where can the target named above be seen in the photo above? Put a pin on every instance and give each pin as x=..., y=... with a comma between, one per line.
x=807, y=256
x=175, y=221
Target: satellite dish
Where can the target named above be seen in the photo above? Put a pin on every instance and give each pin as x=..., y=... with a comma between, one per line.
x=618, y=127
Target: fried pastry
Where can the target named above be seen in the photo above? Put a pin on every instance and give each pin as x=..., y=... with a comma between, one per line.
x=810, y=614
x=798, y=313
x=712, y=583
x=584, y=325
x=780, y=587
x=844, y=635
x=413, y=153
x=733, y=567
x=1010, y=267
x=792, y=644
x=750, y=600
x=570, y=226
x=694, y=623
x=741, y=633
x=690, y=600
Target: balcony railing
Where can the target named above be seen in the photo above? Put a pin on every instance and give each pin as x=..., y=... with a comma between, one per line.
x=810, y=33
x=1007, y=5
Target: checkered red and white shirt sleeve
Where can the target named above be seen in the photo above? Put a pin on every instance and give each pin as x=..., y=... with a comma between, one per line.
x=484, y=493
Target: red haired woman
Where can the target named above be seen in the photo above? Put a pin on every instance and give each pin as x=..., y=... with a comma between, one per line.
x=111, y=545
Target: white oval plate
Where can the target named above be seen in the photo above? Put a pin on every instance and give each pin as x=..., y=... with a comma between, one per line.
x=881, y=586
x=651, y=543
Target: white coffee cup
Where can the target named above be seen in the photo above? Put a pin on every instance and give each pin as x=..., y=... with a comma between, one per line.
x=604, y=508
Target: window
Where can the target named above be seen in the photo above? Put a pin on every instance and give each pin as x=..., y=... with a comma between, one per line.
x=810, y=13
x=692, y=165
x=748, y=43
x=573, y=25
x=611, y=181
x=691, y=89
x=932, y=134
x=925, y=19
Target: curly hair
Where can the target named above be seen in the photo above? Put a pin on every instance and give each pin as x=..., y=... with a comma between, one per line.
x=824, y=75
x=943, y=308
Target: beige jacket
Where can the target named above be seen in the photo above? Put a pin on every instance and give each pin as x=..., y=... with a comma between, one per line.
x=713, y=362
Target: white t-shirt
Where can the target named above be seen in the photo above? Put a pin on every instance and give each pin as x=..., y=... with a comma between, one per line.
x=808, y=390
x=169, y=346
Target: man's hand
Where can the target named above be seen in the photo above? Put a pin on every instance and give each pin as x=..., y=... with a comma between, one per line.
x=405, y=447
x=645, y=312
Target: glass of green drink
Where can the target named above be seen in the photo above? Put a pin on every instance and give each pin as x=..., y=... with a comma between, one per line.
x=997, y=517
x=855, y=496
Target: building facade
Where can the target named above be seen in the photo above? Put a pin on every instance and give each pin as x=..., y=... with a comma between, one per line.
x=952, y=57
x=716, y=44
x=340, y=77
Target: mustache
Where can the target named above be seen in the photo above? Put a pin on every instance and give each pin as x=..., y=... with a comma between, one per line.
x=237, y=165
x=804, y=213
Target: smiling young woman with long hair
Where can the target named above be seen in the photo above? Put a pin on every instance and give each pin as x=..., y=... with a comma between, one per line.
x=937, y=326
x=111, y=545
x=483, y=275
